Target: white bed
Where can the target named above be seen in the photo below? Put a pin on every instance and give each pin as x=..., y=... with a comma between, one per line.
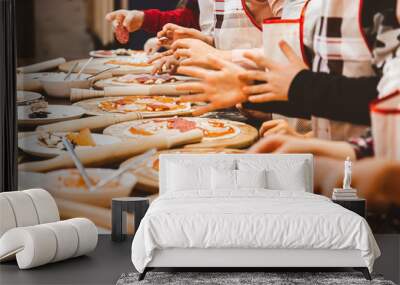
x=279, y=225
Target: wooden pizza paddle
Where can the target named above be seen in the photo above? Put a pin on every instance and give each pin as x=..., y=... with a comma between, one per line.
x=93, y=123
x=137, y=90
x=108, y=154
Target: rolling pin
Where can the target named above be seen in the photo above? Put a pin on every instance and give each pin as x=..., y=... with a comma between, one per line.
x=41, y=66
x=109, y=154
x=100, y=216
x=139, y=90
x=92, y=123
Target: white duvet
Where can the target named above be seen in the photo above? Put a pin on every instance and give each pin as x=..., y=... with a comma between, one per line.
x=250, y=219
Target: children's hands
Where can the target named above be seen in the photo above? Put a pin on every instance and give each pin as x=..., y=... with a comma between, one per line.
x=166, y=63
x=132, y=20
x=277, y=76
x=152, y=45
x=193, y=51
x=219, y=85
x=279, y=126
x=291, y=144
x=172, y=32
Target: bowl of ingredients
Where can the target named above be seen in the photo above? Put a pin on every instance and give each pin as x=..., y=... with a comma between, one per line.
x=58, y=85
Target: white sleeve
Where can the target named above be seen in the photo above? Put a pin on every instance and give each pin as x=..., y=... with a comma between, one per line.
x=206, y=19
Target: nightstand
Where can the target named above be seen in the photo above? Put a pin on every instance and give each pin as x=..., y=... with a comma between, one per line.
x=357, y=206
x=120, y=207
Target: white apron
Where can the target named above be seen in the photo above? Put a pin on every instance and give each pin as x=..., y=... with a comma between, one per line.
x=333, y=31
x=289, y=29
x=233, y=29
x=385, y=117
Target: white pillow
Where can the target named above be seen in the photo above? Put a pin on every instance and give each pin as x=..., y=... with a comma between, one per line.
x=251, y=179
x=183, y=177
x=224, y=179
x=282, y=174
x=295, y=180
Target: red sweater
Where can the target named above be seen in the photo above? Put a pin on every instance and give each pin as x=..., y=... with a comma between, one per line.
x=155, y=19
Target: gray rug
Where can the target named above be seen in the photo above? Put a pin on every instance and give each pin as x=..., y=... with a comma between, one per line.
x=243, y=278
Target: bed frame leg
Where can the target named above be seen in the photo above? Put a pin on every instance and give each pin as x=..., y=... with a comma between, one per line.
x=365, y=272
x=143, y=274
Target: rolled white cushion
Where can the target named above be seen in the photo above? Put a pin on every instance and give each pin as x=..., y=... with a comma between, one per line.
x=23, y=208
x=67, y=240
x=87, y=233
x=37, y=245
x=7, y=218
x=33, y=246
x=46, y=207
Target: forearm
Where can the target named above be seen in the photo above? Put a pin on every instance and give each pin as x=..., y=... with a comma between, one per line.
x=333, y=149
x=155, y=19
x=334, y=97
x=279, y=107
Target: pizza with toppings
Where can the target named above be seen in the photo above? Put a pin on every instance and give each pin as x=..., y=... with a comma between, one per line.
x=136, y=61
x=144, y=104
x=146, y=79
x=118, y=52
x=213, y=129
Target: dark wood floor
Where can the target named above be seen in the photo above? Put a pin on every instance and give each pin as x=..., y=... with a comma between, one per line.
x=103, y=266
x=110, y=260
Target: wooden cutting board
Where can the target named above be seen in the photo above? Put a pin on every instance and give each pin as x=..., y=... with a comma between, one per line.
x=99, y=64
x=147, y=172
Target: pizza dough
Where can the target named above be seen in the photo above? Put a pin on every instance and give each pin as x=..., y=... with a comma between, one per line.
x=147, y=172
x=217, y=133
x=143, y=80
x=147, y=105
x=117, y=52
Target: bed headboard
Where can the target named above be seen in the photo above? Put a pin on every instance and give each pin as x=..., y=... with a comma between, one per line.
x=285, y=160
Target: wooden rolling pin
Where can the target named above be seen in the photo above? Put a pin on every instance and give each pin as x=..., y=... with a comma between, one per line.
x=100, y=216
x=109, y=154
x=41, y=66
x=93, y=123
x=139, y=90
